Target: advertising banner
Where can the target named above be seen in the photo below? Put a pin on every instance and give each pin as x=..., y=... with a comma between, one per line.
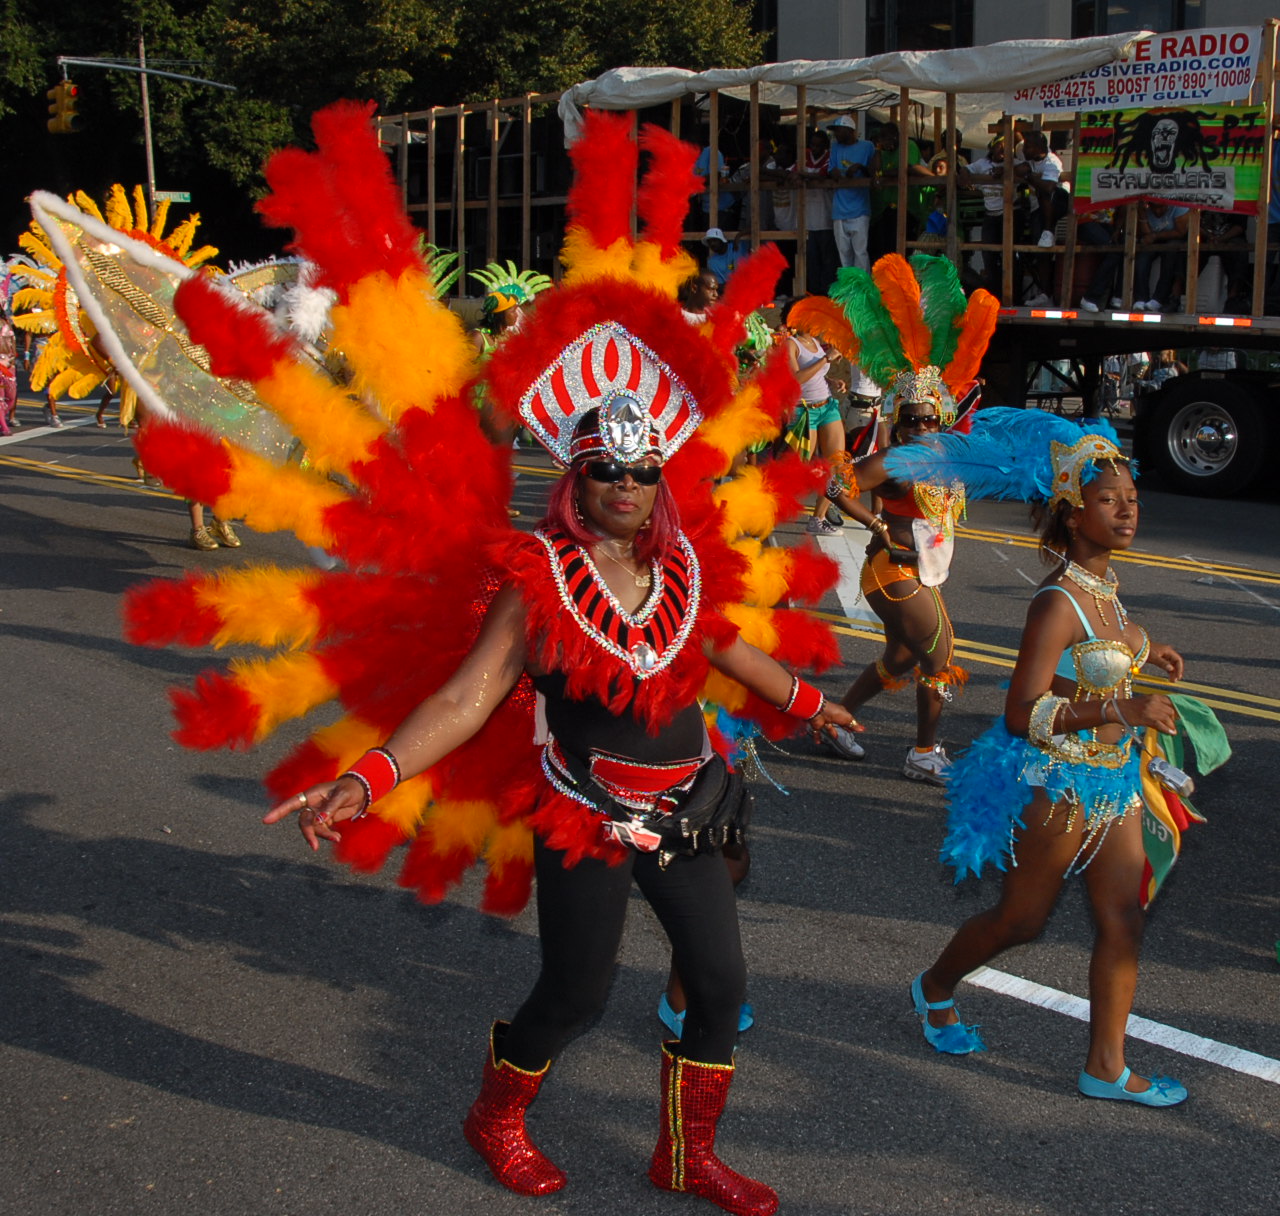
x=1199, y=67
x=1206, y=156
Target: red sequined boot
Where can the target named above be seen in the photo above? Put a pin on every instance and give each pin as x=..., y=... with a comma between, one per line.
x=494, y=1125
x=693, y=1096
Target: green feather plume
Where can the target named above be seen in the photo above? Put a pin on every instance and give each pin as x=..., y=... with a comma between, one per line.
x=942, y=301
x=881, y=356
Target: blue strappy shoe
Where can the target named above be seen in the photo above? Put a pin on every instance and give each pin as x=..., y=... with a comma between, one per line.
x=1164, y=1091
x=957, y=1039
x=674, y=1021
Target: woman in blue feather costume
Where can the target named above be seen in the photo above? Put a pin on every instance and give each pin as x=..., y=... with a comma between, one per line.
x=1053, y=787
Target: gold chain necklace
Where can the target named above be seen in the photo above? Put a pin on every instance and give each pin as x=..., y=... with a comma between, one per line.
x=643, y=578
x=1100, y=589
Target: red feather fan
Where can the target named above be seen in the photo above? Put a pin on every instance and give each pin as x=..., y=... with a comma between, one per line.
x=663, y=198
x=602, y=159
x=242, y=339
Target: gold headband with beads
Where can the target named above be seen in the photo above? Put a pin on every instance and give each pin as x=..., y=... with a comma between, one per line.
x=921, y=386
x=1070, y=461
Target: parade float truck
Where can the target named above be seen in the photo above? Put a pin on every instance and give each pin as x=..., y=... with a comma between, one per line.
x=1183, y=118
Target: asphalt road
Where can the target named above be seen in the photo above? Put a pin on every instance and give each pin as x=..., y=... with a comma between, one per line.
x=198, y=1016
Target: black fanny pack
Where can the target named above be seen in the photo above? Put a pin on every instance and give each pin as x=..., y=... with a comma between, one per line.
x=712, y=813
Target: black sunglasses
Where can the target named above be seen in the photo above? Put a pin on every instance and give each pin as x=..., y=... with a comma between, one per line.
x=610, y=471
x=912, y=421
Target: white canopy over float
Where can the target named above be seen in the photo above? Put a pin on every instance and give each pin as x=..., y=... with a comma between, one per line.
x=982, y=75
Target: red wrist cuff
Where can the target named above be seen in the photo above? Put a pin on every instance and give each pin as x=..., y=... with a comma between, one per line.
x=804, y=702
x=377, y=771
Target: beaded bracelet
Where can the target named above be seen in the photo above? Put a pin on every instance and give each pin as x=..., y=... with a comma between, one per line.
x=378, y=773
x=1043, y=713
x=804, y=702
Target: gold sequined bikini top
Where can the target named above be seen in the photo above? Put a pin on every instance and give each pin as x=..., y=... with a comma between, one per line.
x=1098, y=666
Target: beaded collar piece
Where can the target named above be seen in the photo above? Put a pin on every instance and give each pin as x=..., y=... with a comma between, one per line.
x=648, y=640
x=1104, y=590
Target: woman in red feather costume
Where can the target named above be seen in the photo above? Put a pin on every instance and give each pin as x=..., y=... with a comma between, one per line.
x=602, y=610
x=613, y=614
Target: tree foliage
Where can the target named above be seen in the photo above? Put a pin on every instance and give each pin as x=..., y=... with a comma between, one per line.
x=287, y=58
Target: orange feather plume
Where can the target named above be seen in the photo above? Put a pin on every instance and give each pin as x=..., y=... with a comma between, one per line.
x=900, y=293
x=976, y=328
x=826, y=320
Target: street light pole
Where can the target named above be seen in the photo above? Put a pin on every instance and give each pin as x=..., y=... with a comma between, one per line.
x=146, y=127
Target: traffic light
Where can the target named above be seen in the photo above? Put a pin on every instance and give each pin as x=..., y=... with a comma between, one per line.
x=62, y=109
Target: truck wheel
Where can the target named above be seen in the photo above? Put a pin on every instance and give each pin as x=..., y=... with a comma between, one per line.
x=1207, y=437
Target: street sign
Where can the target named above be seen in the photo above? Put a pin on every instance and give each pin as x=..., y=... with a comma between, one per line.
x=173, y=196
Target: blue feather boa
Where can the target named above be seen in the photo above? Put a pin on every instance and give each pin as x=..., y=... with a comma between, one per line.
x=1005, y=455
x=988, y=791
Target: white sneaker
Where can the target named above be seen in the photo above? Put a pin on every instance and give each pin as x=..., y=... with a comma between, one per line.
x=1117, y=302
x=928, y=766
x=842, y=741
x=1149, y=306
x=1089, y=306
x=1039, y=300
x=1046, y=239
x=818, y=526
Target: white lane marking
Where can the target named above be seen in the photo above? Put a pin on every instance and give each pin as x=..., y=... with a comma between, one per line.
x=1181, y=1041
x=847, y=547
x=35, y=432
x=1226, y=578
x=1023, y=574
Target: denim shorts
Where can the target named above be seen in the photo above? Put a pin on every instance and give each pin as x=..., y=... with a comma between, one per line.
x=822, y=412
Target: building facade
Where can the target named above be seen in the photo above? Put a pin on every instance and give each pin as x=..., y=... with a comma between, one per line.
x=850, y=29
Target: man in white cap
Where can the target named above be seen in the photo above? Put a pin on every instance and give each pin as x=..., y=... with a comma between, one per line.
x=851, y=206
x=722, y=256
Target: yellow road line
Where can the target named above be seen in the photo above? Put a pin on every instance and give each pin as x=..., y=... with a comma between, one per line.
x=109, y=480
x=1189, y=565
x=1248, y=704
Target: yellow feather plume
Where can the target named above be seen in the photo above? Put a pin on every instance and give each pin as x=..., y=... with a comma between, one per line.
x=648, y=266
x=139, y=208
x=45, y=366
x=274, y=499
x=740, y=424
x=749, y=509
x=62, y=381
x=508, y=843
x=198, y=256
x=336, y=432
x=459, y=826
x=406, y=805
x=723, y=691
x=159, y=219
x=119, y=213
x=26, y=298
x=263, y=605
x=585, y=260
x=87, y=204
x=406, y=349
x=283, y=688
x=347, y=739
x=39, y=249
x=84, y=382
x=769, y=568
x=755, y=625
